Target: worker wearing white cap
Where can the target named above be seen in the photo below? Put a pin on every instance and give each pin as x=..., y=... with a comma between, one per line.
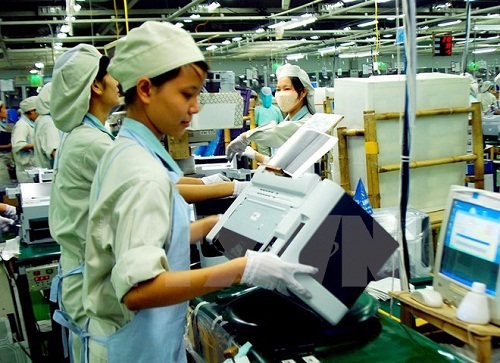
x=486, y=96
x=83, y=93
x=5, y=147
x=23, y=139
x=46, y=134
x=295, y=96
x=137, y=277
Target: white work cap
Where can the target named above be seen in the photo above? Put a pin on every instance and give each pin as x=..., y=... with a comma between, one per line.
x=266, y=91
x=290, y=70
x=74, y=73
x=43, y=101
x=28, y=104
x=485, y=86
x=152, y=49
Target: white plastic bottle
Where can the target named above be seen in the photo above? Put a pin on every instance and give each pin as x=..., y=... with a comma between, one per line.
x=474, y=306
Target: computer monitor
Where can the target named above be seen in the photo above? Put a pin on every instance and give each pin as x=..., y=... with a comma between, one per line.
x=468, y=247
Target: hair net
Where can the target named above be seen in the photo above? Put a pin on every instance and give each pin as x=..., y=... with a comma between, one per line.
x=43, y=101
x=73, y=75
x=150, y=50
x=28, y=104
x=485, y=86
x=266, y=96
x=290, y=70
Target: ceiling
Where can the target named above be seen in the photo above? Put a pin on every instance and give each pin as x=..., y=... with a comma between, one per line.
x=29, y=28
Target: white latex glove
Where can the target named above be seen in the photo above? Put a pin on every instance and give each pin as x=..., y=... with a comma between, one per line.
x=215, y=178
x=239, y=186
x=10, y=212
x=267, y=270
x=249, y=153
x=5, y=223
x=237, y=146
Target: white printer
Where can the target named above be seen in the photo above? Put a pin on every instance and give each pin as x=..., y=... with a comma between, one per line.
x=35, y=199
x=310, y=221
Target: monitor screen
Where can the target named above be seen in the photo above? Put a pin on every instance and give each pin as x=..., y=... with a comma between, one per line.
x=471, y=245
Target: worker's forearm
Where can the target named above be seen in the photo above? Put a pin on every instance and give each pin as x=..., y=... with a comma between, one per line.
x=198, y=193
x=189, y=180
x=201, y=227
x=173, y=287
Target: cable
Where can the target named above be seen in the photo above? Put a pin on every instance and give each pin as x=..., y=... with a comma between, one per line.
x=125, y=9
x=116, y=20
x=467, y=36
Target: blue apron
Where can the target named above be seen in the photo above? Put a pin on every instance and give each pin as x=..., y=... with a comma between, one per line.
x=60, y=316
x=157, y=334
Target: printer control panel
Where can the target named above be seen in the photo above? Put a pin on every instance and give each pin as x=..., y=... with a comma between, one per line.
x=40, y=277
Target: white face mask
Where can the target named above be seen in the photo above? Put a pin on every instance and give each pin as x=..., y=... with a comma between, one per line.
x=286, y=100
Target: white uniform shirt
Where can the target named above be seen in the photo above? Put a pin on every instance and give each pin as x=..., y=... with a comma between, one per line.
x=22, y=135
x=46, y=141
x=126, y=232
x=274, y=135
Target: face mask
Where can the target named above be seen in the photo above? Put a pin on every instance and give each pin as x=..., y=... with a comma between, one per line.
x=286, y=100
x=267, y=100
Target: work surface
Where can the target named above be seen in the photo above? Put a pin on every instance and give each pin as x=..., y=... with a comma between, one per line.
x=213, y=330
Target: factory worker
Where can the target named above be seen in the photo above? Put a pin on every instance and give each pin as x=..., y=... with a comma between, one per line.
x=474, y=87
x=264, y=114
x=295, y=97
x=23, y=139
x=5, y=147
x=486, y=97
x=137, y=278
x=46, y=133
x=83, y=94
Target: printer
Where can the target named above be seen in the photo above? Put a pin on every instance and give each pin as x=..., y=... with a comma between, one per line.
x=310, y=221
x=35, y=199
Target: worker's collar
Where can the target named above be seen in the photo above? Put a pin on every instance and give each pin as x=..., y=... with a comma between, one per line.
x=93, y=121
x=25, y=118
x=139, y=132
x=304, y=111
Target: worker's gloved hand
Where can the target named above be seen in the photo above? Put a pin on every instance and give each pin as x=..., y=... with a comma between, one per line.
x=237, y=146
x=215, y=178
x=249, y=153
x=5, y=223
x=10, y=212
x=267, y=270
x=239, y=186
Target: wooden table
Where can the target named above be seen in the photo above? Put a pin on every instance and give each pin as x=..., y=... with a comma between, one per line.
x=444, y=318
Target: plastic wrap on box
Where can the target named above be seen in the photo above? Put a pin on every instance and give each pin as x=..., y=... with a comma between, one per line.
x=429, y=186
x=218, y=111
x=418, y=237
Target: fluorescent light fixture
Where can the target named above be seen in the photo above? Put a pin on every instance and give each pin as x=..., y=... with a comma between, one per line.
x=62, y=35
x=65, y=28
x=77, y=7
x=484, y=50
x=491, y=28
x=179, y=25
x=39, y=65
x=425, y=27
x=358, y=54
x=194, y=16
x=314, y=37
x=493, y=37
x=493, y=15
x=303, y=20
x=383, y=1
x=236, y=39
x=213, y=5
x=296, y=56
x=391, y=18
x=327, y=50
x=226, y=42
x=188, y=21
x=69, y=18
x=464, y=41
x=387, y=35
x=451, y=22
x=368, y=23
x=34, y=71
x=347, y=28
x=211, y=47
x=260, y=30
x=347, y=44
